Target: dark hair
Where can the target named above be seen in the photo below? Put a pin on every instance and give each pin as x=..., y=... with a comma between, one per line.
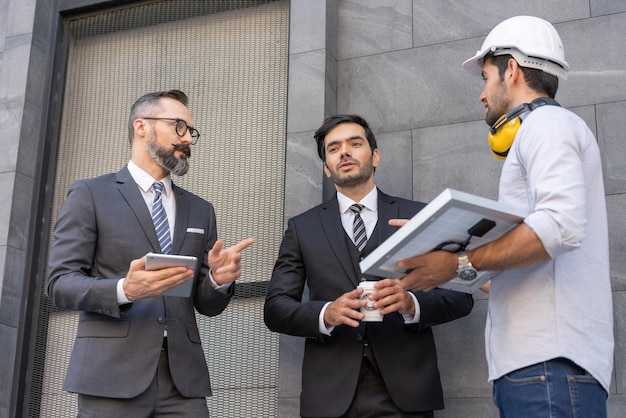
x=148, y=102
x=332, y=121
x=538, y=80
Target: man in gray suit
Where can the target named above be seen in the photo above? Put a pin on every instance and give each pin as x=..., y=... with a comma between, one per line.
x=137, y=352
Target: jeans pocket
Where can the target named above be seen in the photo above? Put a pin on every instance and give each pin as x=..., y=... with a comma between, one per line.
x=524, y=380
x=525, y=376
x=522, y=393
x=588, y=397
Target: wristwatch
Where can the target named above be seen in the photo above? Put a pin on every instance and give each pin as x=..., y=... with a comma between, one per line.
x=465, y=271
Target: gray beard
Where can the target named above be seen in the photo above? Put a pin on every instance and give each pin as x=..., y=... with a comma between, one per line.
x=167, y=159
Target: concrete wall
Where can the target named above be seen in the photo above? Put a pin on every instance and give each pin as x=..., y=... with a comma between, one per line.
x=397, y=63
x=25, y=53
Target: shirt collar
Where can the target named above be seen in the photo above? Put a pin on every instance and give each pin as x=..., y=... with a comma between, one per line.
x=145, y=180
x=370, y=201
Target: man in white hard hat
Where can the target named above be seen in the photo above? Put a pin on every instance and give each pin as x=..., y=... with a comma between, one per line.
x=549, y=332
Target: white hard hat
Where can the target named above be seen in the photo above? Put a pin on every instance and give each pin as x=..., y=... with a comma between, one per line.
x=532, y=41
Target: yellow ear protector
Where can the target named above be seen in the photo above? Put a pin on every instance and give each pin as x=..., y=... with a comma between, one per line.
x=503, y=131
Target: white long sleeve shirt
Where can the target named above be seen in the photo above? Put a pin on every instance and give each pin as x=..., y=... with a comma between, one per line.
x=561, y=307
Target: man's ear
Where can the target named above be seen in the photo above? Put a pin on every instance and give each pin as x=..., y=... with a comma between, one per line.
x=375, y=158
x=326, y=170
x=515, y=71
x=141, y=127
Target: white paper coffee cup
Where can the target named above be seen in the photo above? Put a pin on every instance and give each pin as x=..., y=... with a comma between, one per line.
x=371, y=314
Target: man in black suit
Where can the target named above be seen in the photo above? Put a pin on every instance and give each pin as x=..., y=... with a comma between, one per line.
x=352, y=368
x=138, y=352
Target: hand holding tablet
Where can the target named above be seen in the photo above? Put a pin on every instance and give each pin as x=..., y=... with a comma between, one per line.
x=156, y=261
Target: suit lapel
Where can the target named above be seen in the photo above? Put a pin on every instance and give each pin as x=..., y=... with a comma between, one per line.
x=129, y=190
x=336, y=238
x=182, y=218
x=387, y=209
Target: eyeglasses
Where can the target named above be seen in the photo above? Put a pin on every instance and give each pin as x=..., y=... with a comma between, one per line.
x=182, y=128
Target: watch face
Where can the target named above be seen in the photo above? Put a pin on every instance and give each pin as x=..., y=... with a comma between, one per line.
x=467, y=274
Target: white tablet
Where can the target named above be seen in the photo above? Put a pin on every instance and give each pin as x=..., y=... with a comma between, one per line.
x=156, y=261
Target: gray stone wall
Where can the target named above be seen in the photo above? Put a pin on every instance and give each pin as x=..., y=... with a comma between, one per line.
x=397, y=63
x=22, y=65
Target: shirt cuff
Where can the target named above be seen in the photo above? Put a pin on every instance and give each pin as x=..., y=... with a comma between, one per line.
x=121, y=296
x=322, y=325
x=413, y=319
x=223, y=288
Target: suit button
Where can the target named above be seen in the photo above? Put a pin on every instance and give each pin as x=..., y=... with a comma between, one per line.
x=161, y=319
x=359, y=337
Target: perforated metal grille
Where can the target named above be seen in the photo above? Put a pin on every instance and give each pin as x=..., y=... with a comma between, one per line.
x=230, y=57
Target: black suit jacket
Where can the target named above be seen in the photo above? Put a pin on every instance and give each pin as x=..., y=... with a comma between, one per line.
x=103, y=225
x=315, y=251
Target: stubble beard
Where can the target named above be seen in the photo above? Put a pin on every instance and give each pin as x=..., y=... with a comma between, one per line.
x=350, y=180
x=497, y=105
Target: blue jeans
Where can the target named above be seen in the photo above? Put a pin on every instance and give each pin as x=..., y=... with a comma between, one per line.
x=554, y=389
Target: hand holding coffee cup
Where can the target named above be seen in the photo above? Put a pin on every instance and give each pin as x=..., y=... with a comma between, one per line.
x=371, y=314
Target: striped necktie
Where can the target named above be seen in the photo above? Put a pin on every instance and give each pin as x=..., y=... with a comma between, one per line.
x=358, y=227
x=159, y=218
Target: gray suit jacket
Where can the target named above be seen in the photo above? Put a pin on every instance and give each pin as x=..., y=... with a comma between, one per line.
x=316, y=252
x=103, y=225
